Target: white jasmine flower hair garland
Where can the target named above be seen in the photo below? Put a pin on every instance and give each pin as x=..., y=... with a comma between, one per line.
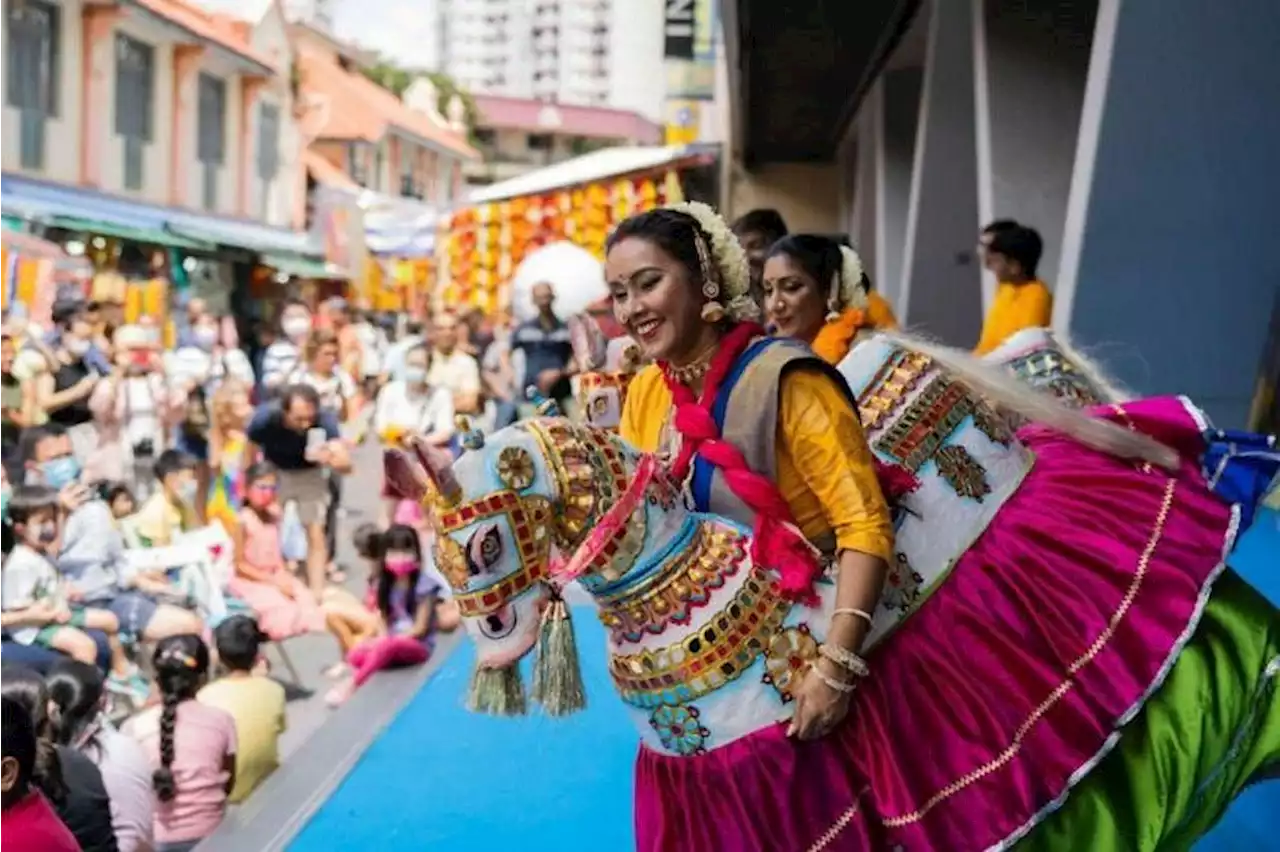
x=729, y=258
x=847, y=290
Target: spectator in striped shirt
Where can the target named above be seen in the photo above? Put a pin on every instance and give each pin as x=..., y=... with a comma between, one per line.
x=284, y=356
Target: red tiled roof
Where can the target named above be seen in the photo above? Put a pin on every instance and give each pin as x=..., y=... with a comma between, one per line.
x=222, y=30
x=361, y=109
x=326, y=172
x=539, y=116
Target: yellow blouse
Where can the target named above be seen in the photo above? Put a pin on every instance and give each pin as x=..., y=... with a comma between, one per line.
x=825, y=468
x=1016, y=306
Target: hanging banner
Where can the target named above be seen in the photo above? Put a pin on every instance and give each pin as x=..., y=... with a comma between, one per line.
x=341, y=224
x=694, y=78
x=678, y=29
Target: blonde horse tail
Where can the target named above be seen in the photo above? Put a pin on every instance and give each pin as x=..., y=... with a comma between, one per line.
x=1003, y=390
x=1110, y=389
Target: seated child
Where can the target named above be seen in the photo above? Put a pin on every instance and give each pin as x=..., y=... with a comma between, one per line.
x=171, y=510
x=161, y=520
x=27, y=820
x=282, y=602
x=406, y=599
x=255, y=702
x=34, y=598
x=120, y=499
x=190, y=745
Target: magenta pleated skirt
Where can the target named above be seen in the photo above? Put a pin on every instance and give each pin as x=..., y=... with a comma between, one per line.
x=1002, y=690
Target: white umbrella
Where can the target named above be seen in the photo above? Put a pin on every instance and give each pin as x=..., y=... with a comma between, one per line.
x=573, y=272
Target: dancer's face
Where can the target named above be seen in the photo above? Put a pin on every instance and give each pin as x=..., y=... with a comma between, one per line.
x=657, y=300
x=793, y=301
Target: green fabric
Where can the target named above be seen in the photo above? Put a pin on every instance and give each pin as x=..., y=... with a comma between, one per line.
x=1212, y=726
x=299, y=266
x=152, y=236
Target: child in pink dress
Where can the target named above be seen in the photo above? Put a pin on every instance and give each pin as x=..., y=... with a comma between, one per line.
x=282, y=603
x=406, y=599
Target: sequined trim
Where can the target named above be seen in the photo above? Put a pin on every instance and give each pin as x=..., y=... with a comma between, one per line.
x=590, y=473
x=719, y=652
x=887, y=391
x=789, y=654
x=670, y=595
x=530, y=518
x=1048, y=369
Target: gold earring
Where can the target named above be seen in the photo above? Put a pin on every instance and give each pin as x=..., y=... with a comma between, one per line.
x=712, y=312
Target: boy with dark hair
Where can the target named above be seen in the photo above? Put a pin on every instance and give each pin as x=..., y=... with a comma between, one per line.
x=172, y=508
x=254, y=701
x=757, y=230
x=27, y=819
x=1022, y=300
x=35, y=598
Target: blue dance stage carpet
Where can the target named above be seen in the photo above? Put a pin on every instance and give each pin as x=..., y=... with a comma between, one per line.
x=442, y=778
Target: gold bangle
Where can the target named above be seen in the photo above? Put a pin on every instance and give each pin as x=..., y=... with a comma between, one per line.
x=837, y=685
x=854, y=611
x=845, y=659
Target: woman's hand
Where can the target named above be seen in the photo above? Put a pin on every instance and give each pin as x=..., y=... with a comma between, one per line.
x=819, y=707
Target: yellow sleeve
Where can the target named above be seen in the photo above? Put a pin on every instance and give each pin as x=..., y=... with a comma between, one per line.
x=1031, y=307
x=819, y=430
x=646, y=409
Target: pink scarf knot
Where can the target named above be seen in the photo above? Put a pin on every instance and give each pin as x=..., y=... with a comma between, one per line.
x=777, y=542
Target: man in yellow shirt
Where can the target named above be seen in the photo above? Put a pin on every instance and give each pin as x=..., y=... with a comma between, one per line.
x=1012, y=253
x=255, y=702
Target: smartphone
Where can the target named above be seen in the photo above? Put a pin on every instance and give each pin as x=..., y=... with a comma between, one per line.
x=316, y=438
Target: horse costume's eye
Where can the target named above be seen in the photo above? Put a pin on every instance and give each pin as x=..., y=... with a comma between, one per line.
x=484, y=549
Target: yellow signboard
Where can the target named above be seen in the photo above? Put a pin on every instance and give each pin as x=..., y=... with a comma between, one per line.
x=683, y=120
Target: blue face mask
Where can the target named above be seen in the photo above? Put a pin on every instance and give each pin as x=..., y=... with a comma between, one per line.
x=60, y=472
x=4, y=501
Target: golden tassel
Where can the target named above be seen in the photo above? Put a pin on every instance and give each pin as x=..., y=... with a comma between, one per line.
x=496, y=691
x=557, y=674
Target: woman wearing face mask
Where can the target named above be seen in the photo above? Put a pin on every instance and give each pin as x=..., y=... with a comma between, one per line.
x=63, y=392
x=134, y=410
x=410, y=408
x=815, y=291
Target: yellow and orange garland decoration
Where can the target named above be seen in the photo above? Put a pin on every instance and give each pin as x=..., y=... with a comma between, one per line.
x=479, y=248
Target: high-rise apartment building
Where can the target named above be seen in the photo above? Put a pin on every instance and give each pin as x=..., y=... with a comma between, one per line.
x=581, y=52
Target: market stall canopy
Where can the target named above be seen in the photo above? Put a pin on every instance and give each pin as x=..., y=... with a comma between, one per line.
x=96, y=212
x=573, y=273
x=596, y=166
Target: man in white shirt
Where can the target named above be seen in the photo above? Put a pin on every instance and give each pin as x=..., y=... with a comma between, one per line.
x=453, y=369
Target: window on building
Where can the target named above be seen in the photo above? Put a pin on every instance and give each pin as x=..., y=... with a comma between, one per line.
x=357, y=164
x=539, y=141
x=268, y=151
x=211, y=135
x=379, y=167
x=409, y=187
x=32, y=58
x=135, y=91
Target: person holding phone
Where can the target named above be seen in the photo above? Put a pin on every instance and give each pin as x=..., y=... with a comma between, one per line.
x=304, y=442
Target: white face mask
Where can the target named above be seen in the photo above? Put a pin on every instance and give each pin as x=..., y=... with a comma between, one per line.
x=296, y=326
x=77, y=347
x=206, y=337
x=415, y=375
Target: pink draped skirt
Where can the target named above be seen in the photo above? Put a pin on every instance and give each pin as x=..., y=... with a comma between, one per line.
x=1002, y=690
x=280, y=616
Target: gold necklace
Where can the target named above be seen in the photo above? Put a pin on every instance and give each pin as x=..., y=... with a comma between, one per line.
x=687, y=374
